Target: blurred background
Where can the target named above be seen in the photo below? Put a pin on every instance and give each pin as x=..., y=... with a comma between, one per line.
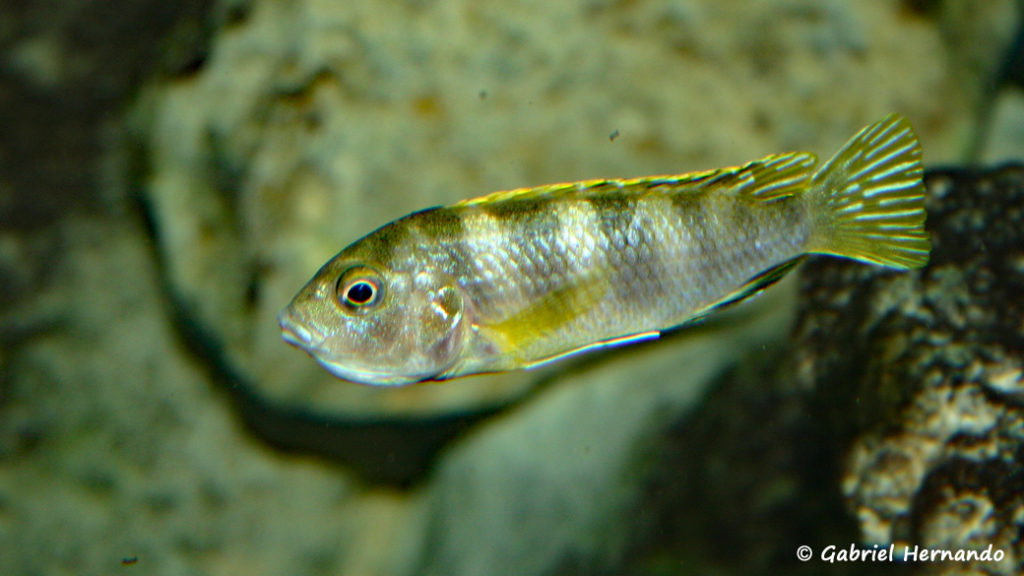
x=171, y=173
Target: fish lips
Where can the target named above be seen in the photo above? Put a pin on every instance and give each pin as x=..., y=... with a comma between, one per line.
x=297, y=333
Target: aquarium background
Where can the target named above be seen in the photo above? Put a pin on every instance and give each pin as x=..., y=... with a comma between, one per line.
x=172, y=173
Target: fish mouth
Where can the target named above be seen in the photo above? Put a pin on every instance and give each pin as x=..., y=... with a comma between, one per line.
x=295, y=332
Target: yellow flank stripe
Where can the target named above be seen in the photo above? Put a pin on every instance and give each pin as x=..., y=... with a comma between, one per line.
x=579, y=281
x=519, y=335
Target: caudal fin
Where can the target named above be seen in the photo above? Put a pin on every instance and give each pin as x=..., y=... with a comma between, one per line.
x=868, y=200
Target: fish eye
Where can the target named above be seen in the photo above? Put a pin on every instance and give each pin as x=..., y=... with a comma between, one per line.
x=359, y=289
x=360, y=293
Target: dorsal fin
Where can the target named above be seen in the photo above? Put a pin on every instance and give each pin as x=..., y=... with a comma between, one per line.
x=777, y=176
x=770, y=178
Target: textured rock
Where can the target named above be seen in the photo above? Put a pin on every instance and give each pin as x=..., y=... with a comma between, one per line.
x=933, y=364
x=899, y=392
x=114, y=445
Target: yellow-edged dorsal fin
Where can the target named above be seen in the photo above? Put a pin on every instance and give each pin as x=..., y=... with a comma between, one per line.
x=770, y=178
x=776, y=176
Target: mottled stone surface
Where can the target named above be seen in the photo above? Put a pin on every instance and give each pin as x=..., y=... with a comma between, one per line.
x=933, y=364
x=893, y=415
x=114, y=444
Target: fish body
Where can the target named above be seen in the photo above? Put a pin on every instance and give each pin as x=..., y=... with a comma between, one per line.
x=520, y=278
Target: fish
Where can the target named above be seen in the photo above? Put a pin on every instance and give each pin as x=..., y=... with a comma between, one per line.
x=522, y=278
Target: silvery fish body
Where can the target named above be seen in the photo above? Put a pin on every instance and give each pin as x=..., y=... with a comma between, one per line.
x=520, y=278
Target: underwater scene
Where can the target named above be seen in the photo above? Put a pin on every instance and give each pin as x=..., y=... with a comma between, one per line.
x=445, y=288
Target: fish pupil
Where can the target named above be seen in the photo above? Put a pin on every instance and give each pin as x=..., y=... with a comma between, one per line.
x=360, y=293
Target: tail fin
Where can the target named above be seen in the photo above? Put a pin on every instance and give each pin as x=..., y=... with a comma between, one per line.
x=868, y=200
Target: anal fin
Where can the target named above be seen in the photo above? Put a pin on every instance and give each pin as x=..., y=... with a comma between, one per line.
x=757, y=284
x=610, y=343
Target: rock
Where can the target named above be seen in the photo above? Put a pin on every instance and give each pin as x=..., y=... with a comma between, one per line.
x=933, y=365
x=114, y=444
x=899, y=392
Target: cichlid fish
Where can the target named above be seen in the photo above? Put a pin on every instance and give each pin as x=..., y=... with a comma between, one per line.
x=520, y=278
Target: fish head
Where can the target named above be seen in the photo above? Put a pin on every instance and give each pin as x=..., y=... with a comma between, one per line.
x=379, y=324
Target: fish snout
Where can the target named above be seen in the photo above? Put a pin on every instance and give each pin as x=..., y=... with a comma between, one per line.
x=294, y=330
